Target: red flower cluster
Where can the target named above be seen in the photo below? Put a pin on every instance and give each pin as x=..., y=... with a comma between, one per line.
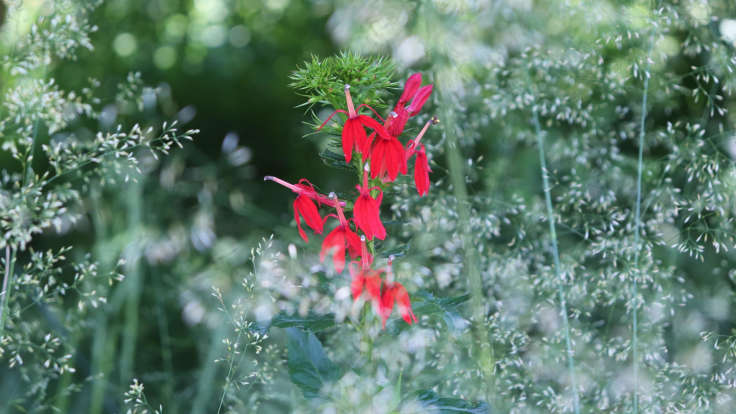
x=385, y=157
x=382, y=295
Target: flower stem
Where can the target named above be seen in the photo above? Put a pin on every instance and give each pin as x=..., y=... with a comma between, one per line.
x=556, y=256
x=7, y=286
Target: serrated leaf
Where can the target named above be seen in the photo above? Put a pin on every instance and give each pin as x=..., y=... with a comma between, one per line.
x=443, y=405
x=309, y=367
x=311, y=322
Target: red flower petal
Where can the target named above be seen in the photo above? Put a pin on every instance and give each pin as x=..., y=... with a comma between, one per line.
x=419, y=99
x=402, y=297
x=410, y=89
x=304, y=207
x=386, y=305
x=352, y=133
x=421, y=172
x=334, y=243
x=366, y=215
x=396, y=126
x=373, y=286
x=387, y=159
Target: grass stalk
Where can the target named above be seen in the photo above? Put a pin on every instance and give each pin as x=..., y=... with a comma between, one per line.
x=483, y=347
x=7, y=286
x=556, y=257
x=637, y=235
x=135, y=284
x=27, y=167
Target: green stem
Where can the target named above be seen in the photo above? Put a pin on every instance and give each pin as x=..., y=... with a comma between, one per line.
x=206, y=376
x=135, y=283
x=637, y=237
x=228, y=378
x=556, y=256
x=637, y=231
x=483, y=346
x=7, y=286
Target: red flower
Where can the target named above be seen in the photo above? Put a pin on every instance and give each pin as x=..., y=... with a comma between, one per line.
x=367, y=210
x=421, y=172
x=304, y=204
x=410, y=89
x=365, y=277
x=353, y=134
x=421, y=165
x=418, y=97
x=395, y=292
x=388, y=158
x=340, y=238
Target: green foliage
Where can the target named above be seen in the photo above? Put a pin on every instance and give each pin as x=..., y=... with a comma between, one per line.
x=442, y=405
x=322, y=81
x=214, y=318
x=309, y=367
x=311, y=323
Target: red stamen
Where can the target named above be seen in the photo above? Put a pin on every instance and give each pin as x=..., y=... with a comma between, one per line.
x=308, y=193
x=371, y=108
x=364, y=254
x=340, y=214
x=277, y=180
x=330, y=117
x=414, y=144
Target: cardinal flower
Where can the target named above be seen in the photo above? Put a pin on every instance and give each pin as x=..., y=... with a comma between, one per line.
x=421, y=165
x=365, y=277
x=418, y=97
x=339, y=239
x=367, y=210
x=394, y=292
x=388, y=158
x=304, y=206
x=353, y=132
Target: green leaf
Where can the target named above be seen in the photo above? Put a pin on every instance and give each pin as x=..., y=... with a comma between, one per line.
x=311, y=322
x=425, y=303
x=309, y=367
x=437, y=404
x=334, y=159
x=322, y=81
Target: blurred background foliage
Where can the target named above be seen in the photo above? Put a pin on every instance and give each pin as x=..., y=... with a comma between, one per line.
x=196, y=219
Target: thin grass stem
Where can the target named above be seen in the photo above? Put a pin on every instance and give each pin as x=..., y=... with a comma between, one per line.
x=637, y=235
x=7, y=287
x=484, y=352
x=556, y=257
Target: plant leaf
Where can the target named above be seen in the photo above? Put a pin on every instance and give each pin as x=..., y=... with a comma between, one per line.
x=312, y=322
x=334, y=159
x=425, y=303
x=309, y=367
x=437, y=404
